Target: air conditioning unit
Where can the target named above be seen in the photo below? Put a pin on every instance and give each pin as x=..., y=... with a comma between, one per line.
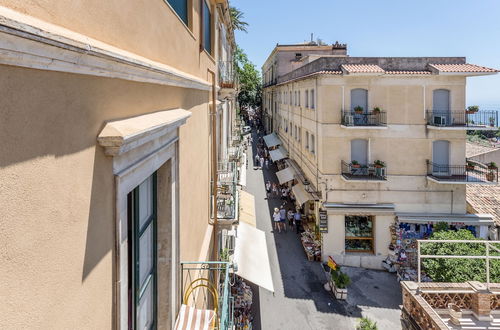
x=349, y=120
x=439, y=120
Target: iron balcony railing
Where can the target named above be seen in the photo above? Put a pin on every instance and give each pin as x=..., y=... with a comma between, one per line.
x=462, y=118
x=353, y=118
x=363, y=172
x=226, y=201
x=473, y=172
x=206, y=285
x=228, y=77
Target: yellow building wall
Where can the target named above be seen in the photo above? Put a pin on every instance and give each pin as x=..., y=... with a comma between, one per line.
x=57, y=192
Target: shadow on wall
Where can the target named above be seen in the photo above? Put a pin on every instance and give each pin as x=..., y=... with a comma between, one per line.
x=100, y=228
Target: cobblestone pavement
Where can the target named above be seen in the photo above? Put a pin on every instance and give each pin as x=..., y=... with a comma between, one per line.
x=299, y=301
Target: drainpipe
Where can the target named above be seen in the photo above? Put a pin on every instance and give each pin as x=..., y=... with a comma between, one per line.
x=213, y=123
x=316, y=140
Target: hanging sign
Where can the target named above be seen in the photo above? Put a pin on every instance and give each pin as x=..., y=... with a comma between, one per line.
x=323, y=221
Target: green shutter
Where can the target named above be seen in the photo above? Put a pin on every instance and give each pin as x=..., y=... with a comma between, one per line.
x=181, y=8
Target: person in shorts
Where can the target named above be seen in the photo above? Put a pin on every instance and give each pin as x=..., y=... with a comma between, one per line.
x=297, y=218
x=289, y=216
x=283, y=218
x=268, y=188
x=277, y=219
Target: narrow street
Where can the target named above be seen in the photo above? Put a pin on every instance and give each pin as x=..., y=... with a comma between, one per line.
x=300, y=301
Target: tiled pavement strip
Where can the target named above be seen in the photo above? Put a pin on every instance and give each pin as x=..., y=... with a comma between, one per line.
x=299, y=301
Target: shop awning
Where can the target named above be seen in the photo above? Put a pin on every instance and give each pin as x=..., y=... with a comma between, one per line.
x=277, y=154
x=272, y=140
x=250, y=255
x=285, y=175
x=466, y=219
x=247, y=208
x=300, y=193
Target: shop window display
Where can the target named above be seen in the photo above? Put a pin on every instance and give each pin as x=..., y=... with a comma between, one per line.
x=358, y=233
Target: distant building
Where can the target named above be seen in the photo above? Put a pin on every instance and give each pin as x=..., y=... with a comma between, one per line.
x=376, y=142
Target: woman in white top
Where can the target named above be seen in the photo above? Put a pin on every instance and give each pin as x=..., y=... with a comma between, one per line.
x=277, y=219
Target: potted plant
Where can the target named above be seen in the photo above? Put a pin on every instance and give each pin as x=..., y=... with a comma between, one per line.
x=492, y=166
x=379, y=164
x=366, y=324
x=492, y=121
x=471, y=109
x=355, y=164
x=358, y=109
x=339, y=283
x=469, y=166
x=376, y=110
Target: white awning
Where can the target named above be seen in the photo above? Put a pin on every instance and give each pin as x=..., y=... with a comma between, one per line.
x=247, y=208
x=250, y=255
x=285, y=175
x=300, y=193
x=271, y=140
x=277, y=154
x=466, y=219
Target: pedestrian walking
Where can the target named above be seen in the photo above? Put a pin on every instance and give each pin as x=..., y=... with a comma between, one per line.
x=267, y=163
x=283, y=217
x=290, y=217
x=275, y=189
x=261, y=161
x=257, y=160
x=284, y=194
x=276, y=219
x=298, y=221
x=268, y=188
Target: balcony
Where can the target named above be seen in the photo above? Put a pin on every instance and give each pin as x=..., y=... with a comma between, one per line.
x=228, y=79
x=206, y=287
x=473, y=172
x=357, y=172
x=226, y=201
x=353, y=119
x=462, y=120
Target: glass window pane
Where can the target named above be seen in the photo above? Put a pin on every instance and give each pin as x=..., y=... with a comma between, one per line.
x=181, y=8
x=358, y=226
x=145, y=200
x=359, y=244
x=207, y=31
x=145, y=309
x=145, y=254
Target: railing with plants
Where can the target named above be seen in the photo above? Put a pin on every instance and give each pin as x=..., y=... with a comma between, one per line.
x=357, y=171
x=470, y=117
x=206, y=286
x=471, y=172
x=359, y=117
x=226, y=200
x=228, y=77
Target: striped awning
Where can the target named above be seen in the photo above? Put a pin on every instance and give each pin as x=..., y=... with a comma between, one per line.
x=285, y=175
x=272, y=140
x=190, y=318
x=466, y=219
x=277, y=154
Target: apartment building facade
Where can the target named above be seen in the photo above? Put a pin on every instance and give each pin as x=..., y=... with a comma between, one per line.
x=115, y=116
x=380, y=141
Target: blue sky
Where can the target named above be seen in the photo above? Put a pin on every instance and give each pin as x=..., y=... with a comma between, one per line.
x=384, y=28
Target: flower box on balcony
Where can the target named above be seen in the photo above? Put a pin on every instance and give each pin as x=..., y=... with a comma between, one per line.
x=355, y=164
x=472, y=109
x=490, y=176
x=338, y=293
x=492, y=166
x=358, y=110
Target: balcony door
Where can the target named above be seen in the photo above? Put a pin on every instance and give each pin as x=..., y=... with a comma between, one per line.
x=441, y=157
x=359, y=151
x=441, y=111
x=359, y=98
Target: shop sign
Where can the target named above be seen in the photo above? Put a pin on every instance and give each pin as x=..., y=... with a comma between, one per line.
x=323, y=221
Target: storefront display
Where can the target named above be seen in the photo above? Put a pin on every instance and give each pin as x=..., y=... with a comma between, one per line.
x=358, y=233
x=310, y=239
x=243, y=296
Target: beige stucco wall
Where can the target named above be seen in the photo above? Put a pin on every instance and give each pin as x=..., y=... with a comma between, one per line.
x=57, y=192
x=150, y=29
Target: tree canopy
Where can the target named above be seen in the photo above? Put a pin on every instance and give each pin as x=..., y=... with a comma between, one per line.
x=458, y=270
x=250, y=81
x=237, y=19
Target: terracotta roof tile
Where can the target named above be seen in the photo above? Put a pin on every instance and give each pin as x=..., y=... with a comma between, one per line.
x=401, y=72
x=474, y=149
x=362, y=68
x=461, y=68
x=485, y=199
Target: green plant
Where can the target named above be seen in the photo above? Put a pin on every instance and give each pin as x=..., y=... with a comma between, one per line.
x=379, y=163
x=473, y=108
x=440, y=226
x=492, y=165
x=376, y=110
x=358, y=108
x=457, y=270
x=366, y=324
x=354, y=162
x=341, y=280
x=492, y=121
